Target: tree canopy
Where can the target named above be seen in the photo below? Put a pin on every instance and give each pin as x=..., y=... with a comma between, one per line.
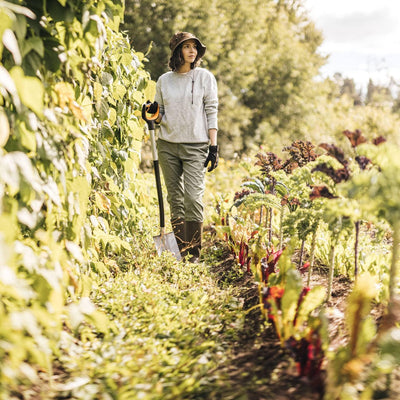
x=264, y=55
x=266, y=59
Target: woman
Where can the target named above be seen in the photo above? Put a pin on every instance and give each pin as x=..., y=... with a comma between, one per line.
x=187, y=141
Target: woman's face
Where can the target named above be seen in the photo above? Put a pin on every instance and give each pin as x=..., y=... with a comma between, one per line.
x=189, y=51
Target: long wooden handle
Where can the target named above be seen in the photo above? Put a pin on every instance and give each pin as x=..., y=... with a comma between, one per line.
x=151, y=126
x=159, y=193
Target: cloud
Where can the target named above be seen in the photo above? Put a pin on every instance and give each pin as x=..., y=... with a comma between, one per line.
x=359, y=27
x=361, y=37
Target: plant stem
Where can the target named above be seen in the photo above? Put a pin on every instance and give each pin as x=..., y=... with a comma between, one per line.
x=357, y=224
x=393, y=267
x=331, y=271
x=312, y=251
x=301, y=252
x=270, y=226
x=281, y=228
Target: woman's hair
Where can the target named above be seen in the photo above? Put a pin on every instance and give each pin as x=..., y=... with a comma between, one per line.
x=176, y=60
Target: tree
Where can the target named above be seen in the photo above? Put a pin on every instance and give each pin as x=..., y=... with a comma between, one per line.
x=378, y=94
x=347, y=87
x=264, y=56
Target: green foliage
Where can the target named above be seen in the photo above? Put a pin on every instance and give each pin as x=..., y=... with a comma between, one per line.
x=75, y=212
x=70, y=134
x=172, y=326
x=379, y=184
x=332, y=193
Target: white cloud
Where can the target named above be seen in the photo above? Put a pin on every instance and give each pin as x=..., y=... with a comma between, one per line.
x=361, y=37
x=359, y=27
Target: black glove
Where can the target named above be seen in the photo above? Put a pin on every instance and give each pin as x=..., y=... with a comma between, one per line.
x=212, y=158
x=151, y=108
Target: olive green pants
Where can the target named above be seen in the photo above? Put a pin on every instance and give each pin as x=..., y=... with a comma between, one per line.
x=182, y=165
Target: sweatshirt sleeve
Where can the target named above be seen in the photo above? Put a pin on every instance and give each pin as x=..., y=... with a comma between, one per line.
x=211, y=102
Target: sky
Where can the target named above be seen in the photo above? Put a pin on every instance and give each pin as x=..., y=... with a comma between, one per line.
x=361, y=37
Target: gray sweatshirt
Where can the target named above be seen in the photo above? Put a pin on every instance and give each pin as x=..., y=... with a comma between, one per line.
x=188, y=104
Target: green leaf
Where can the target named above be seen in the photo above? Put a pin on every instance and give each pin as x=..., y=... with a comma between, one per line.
x=87, y=108
x=102, y=108
x=138, y=97
x=390, y=345
x=100, y=321
x=290, y=298
x=27, y=137
x=20, y=27
x=126, y=59
x=313, y=299
x=106, y=79
x=33, y=43
x=30, y=90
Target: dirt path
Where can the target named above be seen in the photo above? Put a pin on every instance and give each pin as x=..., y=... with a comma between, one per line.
x=260, y=368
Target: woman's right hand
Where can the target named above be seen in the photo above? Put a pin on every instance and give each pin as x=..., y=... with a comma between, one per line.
x=152, y=108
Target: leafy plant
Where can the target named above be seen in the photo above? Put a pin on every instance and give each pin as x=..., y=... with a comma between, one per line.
x=69, y=140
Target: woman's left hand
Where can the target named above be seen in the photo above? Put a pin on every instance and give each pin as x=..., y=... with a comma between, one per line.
x=212, y=158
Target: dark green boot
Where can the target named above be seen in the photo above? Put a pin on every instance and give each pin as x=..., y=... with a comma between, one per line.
x=178, y=226
x=193, y=236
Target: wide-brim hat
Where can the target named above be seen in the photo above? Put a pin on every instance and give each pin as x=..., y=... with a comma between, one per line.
x=181, y=37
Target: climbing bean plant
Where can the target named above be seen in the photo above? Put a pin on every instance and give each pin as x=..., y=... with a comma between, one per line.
x=70, y=133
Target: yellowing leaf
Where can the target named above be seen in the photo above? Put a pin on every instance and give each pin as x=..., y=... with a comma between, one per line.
x=126, y=59
x=138, y=97
x=136, y=145
x=119, y=91
x=150, y=91
x=77, y=111
x=66, y=98
x=65, y=93
x=100, y=321
x=87, y=108
x=135, y=130
x=97, y=91
x=102, y=202
x=112, y=116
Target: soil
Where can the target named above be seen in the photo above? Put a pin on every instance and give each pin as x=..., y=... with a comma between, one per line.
x=258, y=352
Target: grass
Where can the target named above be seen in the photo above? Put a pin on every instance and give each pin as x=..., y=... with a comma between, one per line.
x=171, y=328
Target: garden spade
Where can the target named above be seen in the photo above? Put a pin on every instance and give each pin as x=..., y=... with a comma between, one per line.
x=164, y=241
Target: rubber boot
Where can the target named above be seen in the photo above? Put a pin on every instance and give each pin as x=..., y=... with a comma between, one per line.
x=178, y=226
x=193, y=236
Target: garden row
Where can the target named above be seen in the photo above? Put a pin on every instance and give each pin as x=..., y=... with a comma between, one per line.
x=337, y=209
x=70, y=135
